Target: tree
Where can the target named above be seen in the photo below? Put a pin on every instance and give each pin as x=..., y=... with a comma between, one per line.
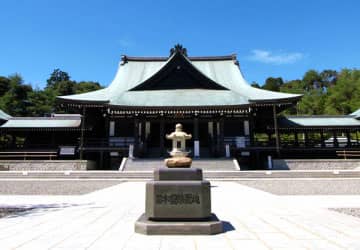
x=344, y=96
x=312, y=80
x=273, y=84
x=4, y=85
x=15, y=101
x=42, y=102
x=83, y=87
x=57, y=76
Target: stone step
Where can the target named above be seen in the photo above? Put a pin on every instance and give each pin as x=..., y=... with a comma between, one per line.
x=144, y=175
x=205, y=164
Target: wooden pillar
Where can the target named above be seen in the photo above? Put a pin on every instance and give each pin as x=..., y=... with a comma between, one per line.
x=336, y=143
x=162, y=137
x=101, y=163
x=136, y=137
x=221, y=137
x=323, y=145
x=296, y=139
x=83, y=118
x=348, y=138
x=251, y=129
x=214, y=138
x=196, y=128
x=269, y=138
x=277, y=138
x=306, y=138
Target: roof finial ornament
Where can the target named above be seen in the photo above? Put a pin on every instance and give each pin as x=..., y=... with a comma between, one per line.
x=178, y=48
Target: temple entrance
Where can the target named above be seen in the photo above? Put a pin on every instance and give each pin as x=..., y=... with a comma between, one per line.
x=157, y=133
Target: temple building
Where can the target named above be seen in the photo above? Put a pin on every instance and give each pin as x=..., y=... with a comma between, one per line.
x=209, y=95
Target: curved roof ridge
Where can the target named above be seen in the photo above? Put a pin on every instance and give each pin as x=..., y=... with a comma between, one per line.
x=126, y=58
x=4, y=116
x=176, y=56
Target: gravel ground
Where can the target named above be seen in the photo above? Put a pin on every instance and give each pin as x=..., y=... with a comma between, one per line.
x=307, y=187
x=349, y=211
x=71, y=187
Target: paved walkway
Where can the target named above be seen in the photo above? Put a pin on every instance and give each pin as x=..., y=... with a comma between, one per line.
x=254, y=220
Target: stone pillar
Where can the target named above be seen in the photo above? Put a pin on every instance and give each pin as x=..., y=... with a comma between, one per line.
x=136, y=136
x=196, y=138
x=162, y=137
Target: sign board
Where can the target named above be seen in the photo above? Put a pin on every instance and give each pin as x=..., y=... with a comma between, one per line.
x=131, y=151
x=67, y=150
x=196, y=149
x=112, y=128
x=246, y=128
x=227, y=150
x=240, y=141
x=114, y=154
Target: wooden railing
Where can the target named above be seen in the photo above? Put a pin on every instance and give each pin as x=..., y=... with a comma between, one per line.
x=346, y=154
x=25, y=155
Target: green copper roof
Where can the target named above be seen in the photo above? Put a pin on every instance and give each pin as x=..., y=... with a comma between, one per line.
x=356, y=114
x=43, y=122
x=4, y=116
x=224, y=71
x=319, y=121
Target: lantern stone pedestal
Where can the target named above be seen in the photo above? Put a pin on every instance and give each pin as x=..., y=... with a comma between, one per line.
x=178, y=202
x=178, y=199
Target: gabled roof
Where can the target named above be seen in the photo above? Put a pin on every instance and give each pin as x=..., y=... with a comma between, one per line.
x=146, y=82
x=58, y=121
x=4, y=116
x=356, y=114
x=178, y=73
x=318, y=121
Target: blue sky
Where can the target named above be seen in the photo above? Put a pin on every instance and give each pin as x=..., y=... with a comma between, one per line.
x=279, y=38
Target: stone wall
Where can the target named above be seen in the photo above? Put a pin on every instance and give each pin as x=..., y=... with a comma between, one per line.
x=46, y=165
x=315, y=164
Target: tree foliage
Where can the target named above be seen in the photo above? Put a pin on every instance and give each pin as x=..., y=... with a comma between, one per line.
x=325, y=92
x=20, y=99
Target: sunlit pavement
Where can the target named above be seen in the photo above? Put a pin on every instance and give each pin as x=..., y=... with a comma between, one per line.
x=253, y=219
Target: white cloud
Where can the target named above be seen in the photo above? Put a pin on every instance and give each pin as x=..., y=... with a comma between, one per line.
x=266, y=56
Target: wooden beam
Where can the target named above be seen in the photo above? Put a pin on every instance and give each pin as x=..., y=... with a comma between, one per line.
x=83, y=118
x=277, y=138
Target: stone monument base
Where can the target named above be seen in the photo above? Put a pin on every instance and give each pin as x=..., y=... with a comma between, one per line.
x=202, y=227
x=178, y=162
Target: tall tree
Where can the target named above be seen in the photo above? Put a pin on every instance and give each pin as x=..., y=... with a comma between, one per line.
x=4, y=85
x=57, y=76
x=273, y=83
x=344, y=96
x=312, y=80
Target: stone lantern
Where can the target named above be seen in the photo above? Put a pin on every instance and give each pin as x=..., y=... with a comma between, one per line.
x=178, y=152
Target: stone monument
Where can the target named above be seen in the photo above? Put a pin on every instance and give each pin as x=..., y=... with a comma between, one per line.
x=178, y=199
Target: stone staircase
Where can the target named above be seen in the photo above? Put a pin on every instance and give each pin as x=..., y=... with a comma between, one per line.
x=223, y=165
x=208, y=174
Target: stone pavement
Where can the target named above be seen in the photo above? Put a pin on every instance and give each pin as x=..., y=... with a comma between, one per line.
x=254, y=220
